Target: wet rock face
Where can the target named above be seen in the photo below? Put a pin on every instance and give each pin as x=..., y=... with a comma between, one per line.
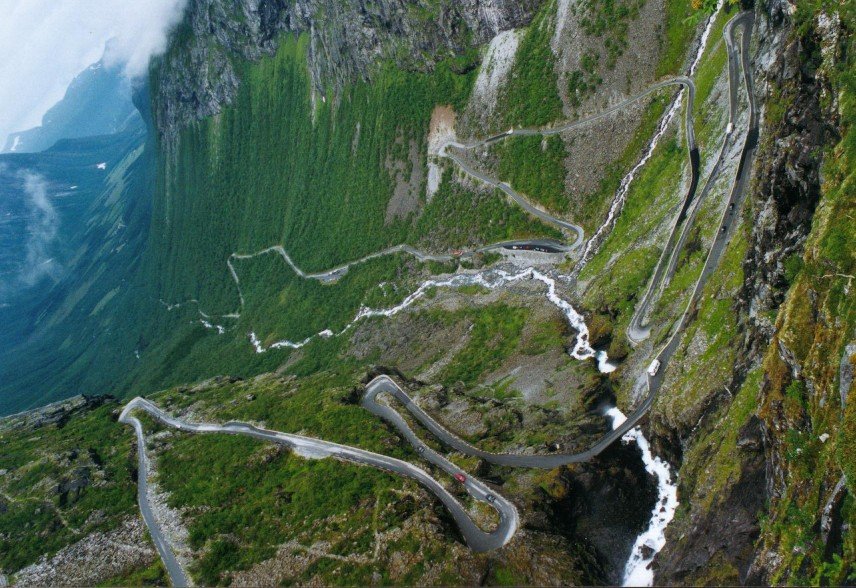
x=198, y=76
x=57, y=413
x=845, y=371
x=70, y=488
x=796, y=126
x=607, y=502
x=724, y=536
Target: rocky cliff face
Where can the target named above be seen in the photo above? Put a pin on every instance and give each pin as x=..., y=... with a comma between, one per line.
x=797, y=126
x=766, y=467
x=198, y=75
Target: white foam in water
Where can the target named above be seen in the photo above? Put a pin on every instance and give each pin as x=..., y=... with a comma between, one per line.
x=490, y=279
x=603, y=362
x=208, y=325
x=637, y=571
x=624, y=187
x=256, y=343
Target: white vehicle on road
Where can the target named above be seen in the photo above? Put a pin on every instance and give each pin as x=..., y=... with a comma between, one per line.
x=654, y=368
x=729, y=129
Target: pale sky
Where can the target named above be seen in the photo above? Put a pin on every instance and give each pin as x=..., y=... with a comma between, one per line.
x=45, y=43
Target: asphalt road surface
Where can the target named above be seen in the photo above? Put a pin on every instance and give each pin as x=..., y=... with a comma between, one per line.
x=638, y=329
x=476, y=538
x=173, y=568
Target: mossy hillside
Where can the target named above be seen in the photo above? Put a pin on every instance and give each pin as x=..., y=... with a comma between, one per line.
x=609, y=20
x=716, y=330
x=534, y=166
x=621, y=269
x=38, y=519
x=814, y=324
x=466, y=217
x=265, y=497
x=225, y=150
x=271, y=169
x=682, y=18
x=530, y=96
x=279, y=304
x=619, y=273
x=710, y=116
x=795, y=390
x=321, y=405
x=495, y=334
x=246, y=176
x=713, y=464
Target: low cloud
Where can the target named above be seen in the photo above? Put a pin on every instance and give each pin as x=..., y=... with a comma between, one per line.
x=42, y=231
x=45, y=43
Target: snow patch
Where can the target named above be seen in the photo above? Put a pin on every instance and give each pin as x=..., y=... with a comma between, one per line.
x=637, y=571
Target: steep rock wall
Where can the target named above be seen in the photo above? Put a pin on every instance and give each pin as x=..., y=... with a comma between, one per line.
x=197, y=76
x=764, y=472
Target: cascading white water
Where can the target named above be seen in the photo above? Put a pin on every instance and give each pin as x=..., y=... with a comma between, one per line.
x=637, y=571
x=492, y=278
x=624, y=186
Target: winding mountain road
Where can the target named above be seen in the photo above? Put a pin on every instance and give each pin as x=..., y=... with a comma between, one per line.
x=562, y=127
x=638, y=330
x=384, y=384
x=312, y=448
x=475, y=537
x=724, y=230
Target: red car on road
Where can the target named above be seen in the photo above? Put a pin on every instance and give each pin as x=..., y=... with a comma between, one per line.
x=461, y=478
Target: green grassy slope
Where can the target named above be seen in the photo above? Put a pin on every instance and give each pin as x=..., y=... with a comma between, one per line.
x=275, y=169
x=36, y=518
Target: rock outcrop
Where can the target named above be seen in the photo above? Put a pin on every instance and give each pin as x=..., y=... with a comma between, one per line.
x=199, y=73
x=794, y=326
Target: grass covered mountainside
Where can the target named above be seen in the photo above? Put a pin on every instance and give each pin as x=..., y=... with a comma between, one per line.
x=315, y=176
x=244, y=180
x=274, y=132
